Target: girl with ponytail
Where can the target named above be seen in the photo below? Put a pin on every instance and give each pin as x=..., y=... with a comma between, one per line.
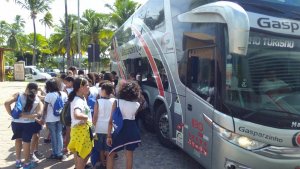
x=81, y=141
x=24, y=127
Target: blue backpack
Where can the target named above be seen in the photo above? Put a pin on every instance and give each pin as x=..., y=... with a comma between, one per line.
x=91, y=103
x=117, y=120
x=58, y=106
x=17, y=110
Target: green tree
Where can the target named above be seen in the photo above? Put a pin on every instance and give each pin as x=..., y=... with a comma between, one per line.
x=92, y=24
x=35, y=7
x=58, y=38
x=19, y=23
x=47, y=21
x=43, y=49
x=15, y=29
x=95, y=30
x=4, y=30
x=121, y=11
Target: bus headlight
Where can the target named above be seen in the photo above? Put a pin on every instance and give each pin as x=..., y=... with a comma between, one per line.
x=239, y=140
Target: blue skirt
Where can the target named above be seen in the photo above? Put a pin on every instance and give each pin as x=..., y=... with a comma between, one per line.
x=128, y=138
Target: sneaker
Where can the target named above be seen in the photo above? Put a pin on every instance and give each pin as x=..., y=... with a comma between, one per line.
x=19, y=164
x=38, y=155
x=33, y=158
x=29, y=165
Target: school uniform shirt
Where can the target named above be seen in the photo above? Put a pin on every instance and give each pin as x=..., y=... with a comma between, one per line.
x=104, y=111
x=81, y=104
x=50, y=98
x=33, y=109
x=128, y=109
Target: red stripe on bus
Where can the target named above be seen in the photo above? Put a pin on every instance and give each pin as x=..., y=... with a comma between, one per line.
x=151, y=61
x=118, y=60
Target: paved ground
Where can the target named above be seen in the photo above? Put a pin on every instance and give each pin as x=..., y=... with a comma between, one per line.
x=151, y=155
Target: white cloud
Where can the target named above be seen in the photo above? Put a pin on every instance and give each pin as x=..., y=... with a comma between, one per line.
x=8, y=11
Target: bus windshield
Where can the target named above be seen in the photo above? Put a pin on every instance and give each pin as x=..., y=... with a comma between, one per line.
x=264, y=86
x=285, y=2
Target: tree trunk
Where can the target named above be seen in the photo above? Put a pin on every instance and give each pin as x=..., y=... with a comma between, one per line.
x=69, y=62
x=34, y=43
x=78, y=33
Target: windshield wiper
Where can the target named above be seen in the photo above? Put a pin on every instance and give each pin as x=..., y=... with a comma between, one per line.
x=264, y=7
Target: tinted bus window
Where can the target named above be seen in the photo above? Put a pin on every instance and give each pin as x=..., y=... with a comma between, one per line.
x=152, y=14
x=188, y=37
x=179, y=7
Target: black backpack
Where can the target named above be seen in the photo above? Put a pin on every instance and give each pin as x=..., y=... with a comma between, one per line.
x=65, y=115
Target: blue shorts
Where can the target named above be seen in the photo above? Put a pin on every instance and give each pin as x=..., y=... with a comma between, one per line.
x=23, y=131
x=37, y=128
x=100, y=143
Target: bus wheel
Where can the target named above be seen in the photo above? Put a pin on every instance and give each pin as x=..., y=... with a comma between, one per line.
x=148, y=121
x=162, y=127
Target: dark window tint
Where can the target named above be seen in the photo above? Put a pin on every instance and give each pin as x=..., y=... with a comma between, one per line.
x=179, y=7
x=200, y=72
x=125, y=33
x=152, y=14
x=190, y=36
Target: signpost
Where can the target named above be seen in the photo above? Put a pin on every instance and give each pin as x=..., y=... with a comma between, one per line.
x=93, y=55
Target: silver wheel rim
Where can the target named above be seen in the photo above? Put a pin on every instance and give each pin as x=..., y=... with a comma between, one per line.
x=163, y=125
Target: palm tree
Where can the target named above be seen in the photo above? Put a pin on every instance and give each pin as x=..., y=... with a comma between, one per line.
x=93, y=23
x=47, y=21
x=58, y=38
x=15, y=29
x=35, y=7
x=122, y=10
x=19, y=23
x=67, y=34
x=4, y=29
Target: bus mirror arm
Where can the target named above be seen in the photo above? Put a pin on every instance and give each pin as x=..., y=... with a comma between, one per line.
x=226, y=12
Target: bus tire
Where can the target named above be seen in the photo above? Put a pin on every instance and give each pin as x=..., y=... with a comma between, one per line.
x=147, y=121
x=162, y=127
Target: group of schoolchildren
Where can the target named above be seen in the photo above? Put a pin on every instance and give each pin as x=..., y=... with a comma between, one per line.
x=93, y=99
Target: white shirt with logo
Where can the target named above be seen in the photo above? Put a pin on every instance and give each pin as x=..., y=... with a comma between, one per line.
x=81, y=104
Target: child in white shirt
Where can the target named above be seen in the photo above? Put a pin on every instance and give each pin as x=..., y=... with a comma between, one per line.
x=102, y=112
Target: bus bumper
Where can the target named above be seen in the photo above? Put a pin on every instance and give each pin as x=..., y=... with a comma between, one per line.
x=229, y=156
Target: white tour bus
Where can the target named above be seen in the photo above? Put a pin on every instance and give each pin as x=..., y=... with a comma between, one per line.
x=221, y=78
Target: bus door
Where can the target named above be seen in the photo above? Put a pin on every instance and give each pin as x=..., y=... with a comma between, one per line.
x=199, y=102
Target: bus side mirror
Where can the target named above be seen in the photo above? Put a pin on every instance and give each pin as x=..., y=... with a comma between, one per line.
x=226, y=12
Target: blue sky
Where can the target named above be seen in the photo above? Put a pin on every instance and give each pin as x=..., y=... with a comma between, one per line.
x=8, y=11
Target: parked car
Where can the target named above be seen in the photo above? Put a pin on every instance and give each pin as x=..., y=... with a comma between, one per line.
x=33, y=74
x=53, y=72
